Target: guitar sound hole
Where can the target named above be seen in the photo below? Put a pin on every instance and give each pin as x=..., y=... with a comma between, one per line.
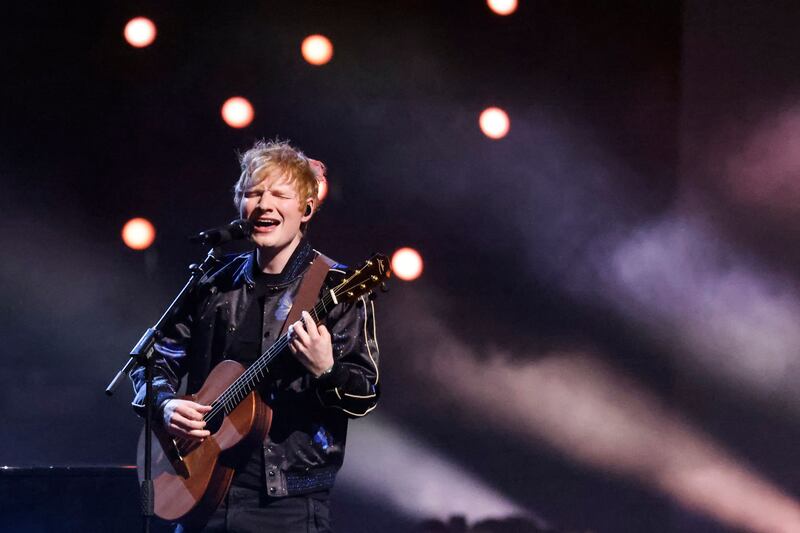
x=213, y=424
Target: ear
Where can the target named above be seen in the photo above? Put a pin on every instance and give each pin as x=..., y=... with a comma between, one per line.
x=308, y=210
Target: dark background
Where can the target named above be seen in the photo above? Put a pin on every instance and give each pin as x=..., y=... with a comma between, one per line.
x=640, y=218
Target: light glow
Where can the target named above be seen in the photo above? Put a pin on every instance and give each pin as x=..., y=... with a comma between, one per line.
x=140, y=32
x=437, y=486
x=322, y=189
x=502, y=7
x=317, y=49
x=761, y=172
x=237, y=112
x=138, y=233
x=494, y=123
x=320, y=172
x=407, y=264
x=596, y=415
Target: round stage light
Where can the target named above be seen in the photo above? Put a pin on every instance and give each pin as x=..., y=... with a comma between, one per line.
x=138, y=233
x=318, y=167
x=494, y=123
x=140, y=32
x=322, y=189
x=317, y=49
x=502, y=7
x=407, y=264
x=237, y=112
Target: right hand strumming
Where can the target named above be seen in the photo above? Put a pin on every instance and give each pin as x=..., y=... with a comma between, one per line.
x=184, y=418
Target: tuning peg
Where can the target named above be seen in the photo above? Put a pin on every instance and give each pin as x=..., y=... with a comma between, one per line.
x=384, y=287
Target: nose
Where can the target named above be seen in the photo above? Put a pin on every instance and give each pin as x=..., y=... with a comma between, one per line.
x=264, y=202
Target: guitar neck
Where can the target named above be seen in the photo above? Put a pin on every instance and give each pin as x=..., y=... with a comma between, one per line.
x=254, y=375
x=360, y=282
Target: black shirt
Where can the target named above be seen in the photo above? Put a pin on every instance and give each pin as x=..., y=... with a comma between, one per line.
x=245, y=349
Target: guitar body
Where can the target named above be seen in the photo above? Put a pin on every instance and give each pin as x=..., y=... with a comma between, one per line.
x=190, y=479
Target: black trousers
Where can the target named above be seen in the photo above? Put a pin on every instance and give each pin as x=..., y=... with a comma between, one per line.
x=251, y=511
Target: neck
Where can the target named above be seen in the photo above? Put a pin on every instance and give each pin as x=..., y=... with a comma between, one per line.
x=272, y=260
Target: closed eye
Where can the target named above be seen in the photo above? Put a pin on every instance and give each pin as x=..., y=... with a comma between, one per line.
x=252, y=194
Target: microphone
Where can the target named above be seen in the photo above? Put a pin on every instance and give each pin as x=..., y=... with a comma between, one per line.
x=237, y=229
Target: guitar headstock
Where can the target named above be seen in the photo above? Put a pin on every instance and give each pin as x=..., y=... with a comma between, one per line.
x=373, y=272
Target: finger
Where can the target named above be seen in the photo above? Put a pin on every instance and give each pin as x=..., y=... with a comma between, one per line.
x=196, y=434
x=189, y=412
x=323, y=332
x=182, y=421
x=298, y=327
x=297, y=347
x=311, y=326
x=300, y=333
x=200, y=407
x=186, y=426
x=177, y=431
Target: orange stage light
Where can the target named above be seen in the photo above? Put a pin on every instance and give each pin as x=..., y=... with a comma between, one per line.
x=138, y=233
x=494, y=123
x=502, y=7
x=317, y=49
x=407, y=264
x=140, y=32
x=322, y=190
x=237, y=112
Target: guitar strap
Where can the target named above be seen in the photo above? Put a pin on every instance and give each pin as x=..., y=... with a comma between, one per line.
x=308, y=293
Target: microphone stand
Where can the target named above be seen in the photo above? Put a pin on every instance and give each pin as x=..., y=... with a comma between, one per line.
x=142, y=355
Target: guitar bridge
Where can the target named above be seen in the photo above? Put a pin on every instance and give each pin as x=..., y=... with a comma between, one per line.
x=172, y=451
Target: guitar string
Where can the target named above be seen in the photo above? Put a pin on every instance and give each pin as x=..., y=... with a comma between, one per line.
x=241, y=384
x=239, y=388
x=245, y=383
x=257, y=368
x=220, y=403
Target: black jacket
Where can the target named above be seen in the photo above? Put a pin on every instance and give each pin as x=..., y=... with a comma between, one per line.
x=306, y=441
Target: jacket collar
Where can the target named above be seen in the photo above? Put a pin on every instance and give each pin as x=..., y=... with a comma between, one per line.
x=295, y=267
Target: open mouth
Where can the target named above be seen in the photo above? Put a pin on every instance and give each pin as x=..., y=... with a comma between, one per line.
x=265, y=223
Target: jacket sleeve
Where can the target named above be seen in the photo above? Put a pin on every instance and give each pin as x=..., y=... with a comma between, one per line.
x=352, y=386
x=170, y=363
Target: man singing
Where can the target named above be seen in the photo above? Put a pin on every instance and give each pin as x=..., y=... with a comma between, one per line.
x=329, y=374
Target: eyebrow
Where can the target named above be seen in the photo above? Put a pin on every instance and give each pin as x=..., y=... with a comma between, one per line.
x=280, y=187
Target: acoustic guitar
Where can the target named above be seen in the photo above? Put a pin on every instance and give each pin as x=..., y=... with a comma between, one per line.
x=191, y=478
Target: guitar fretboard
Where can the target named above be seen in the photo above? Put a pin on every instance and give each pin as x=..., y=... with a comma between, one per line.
x=252, y=377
